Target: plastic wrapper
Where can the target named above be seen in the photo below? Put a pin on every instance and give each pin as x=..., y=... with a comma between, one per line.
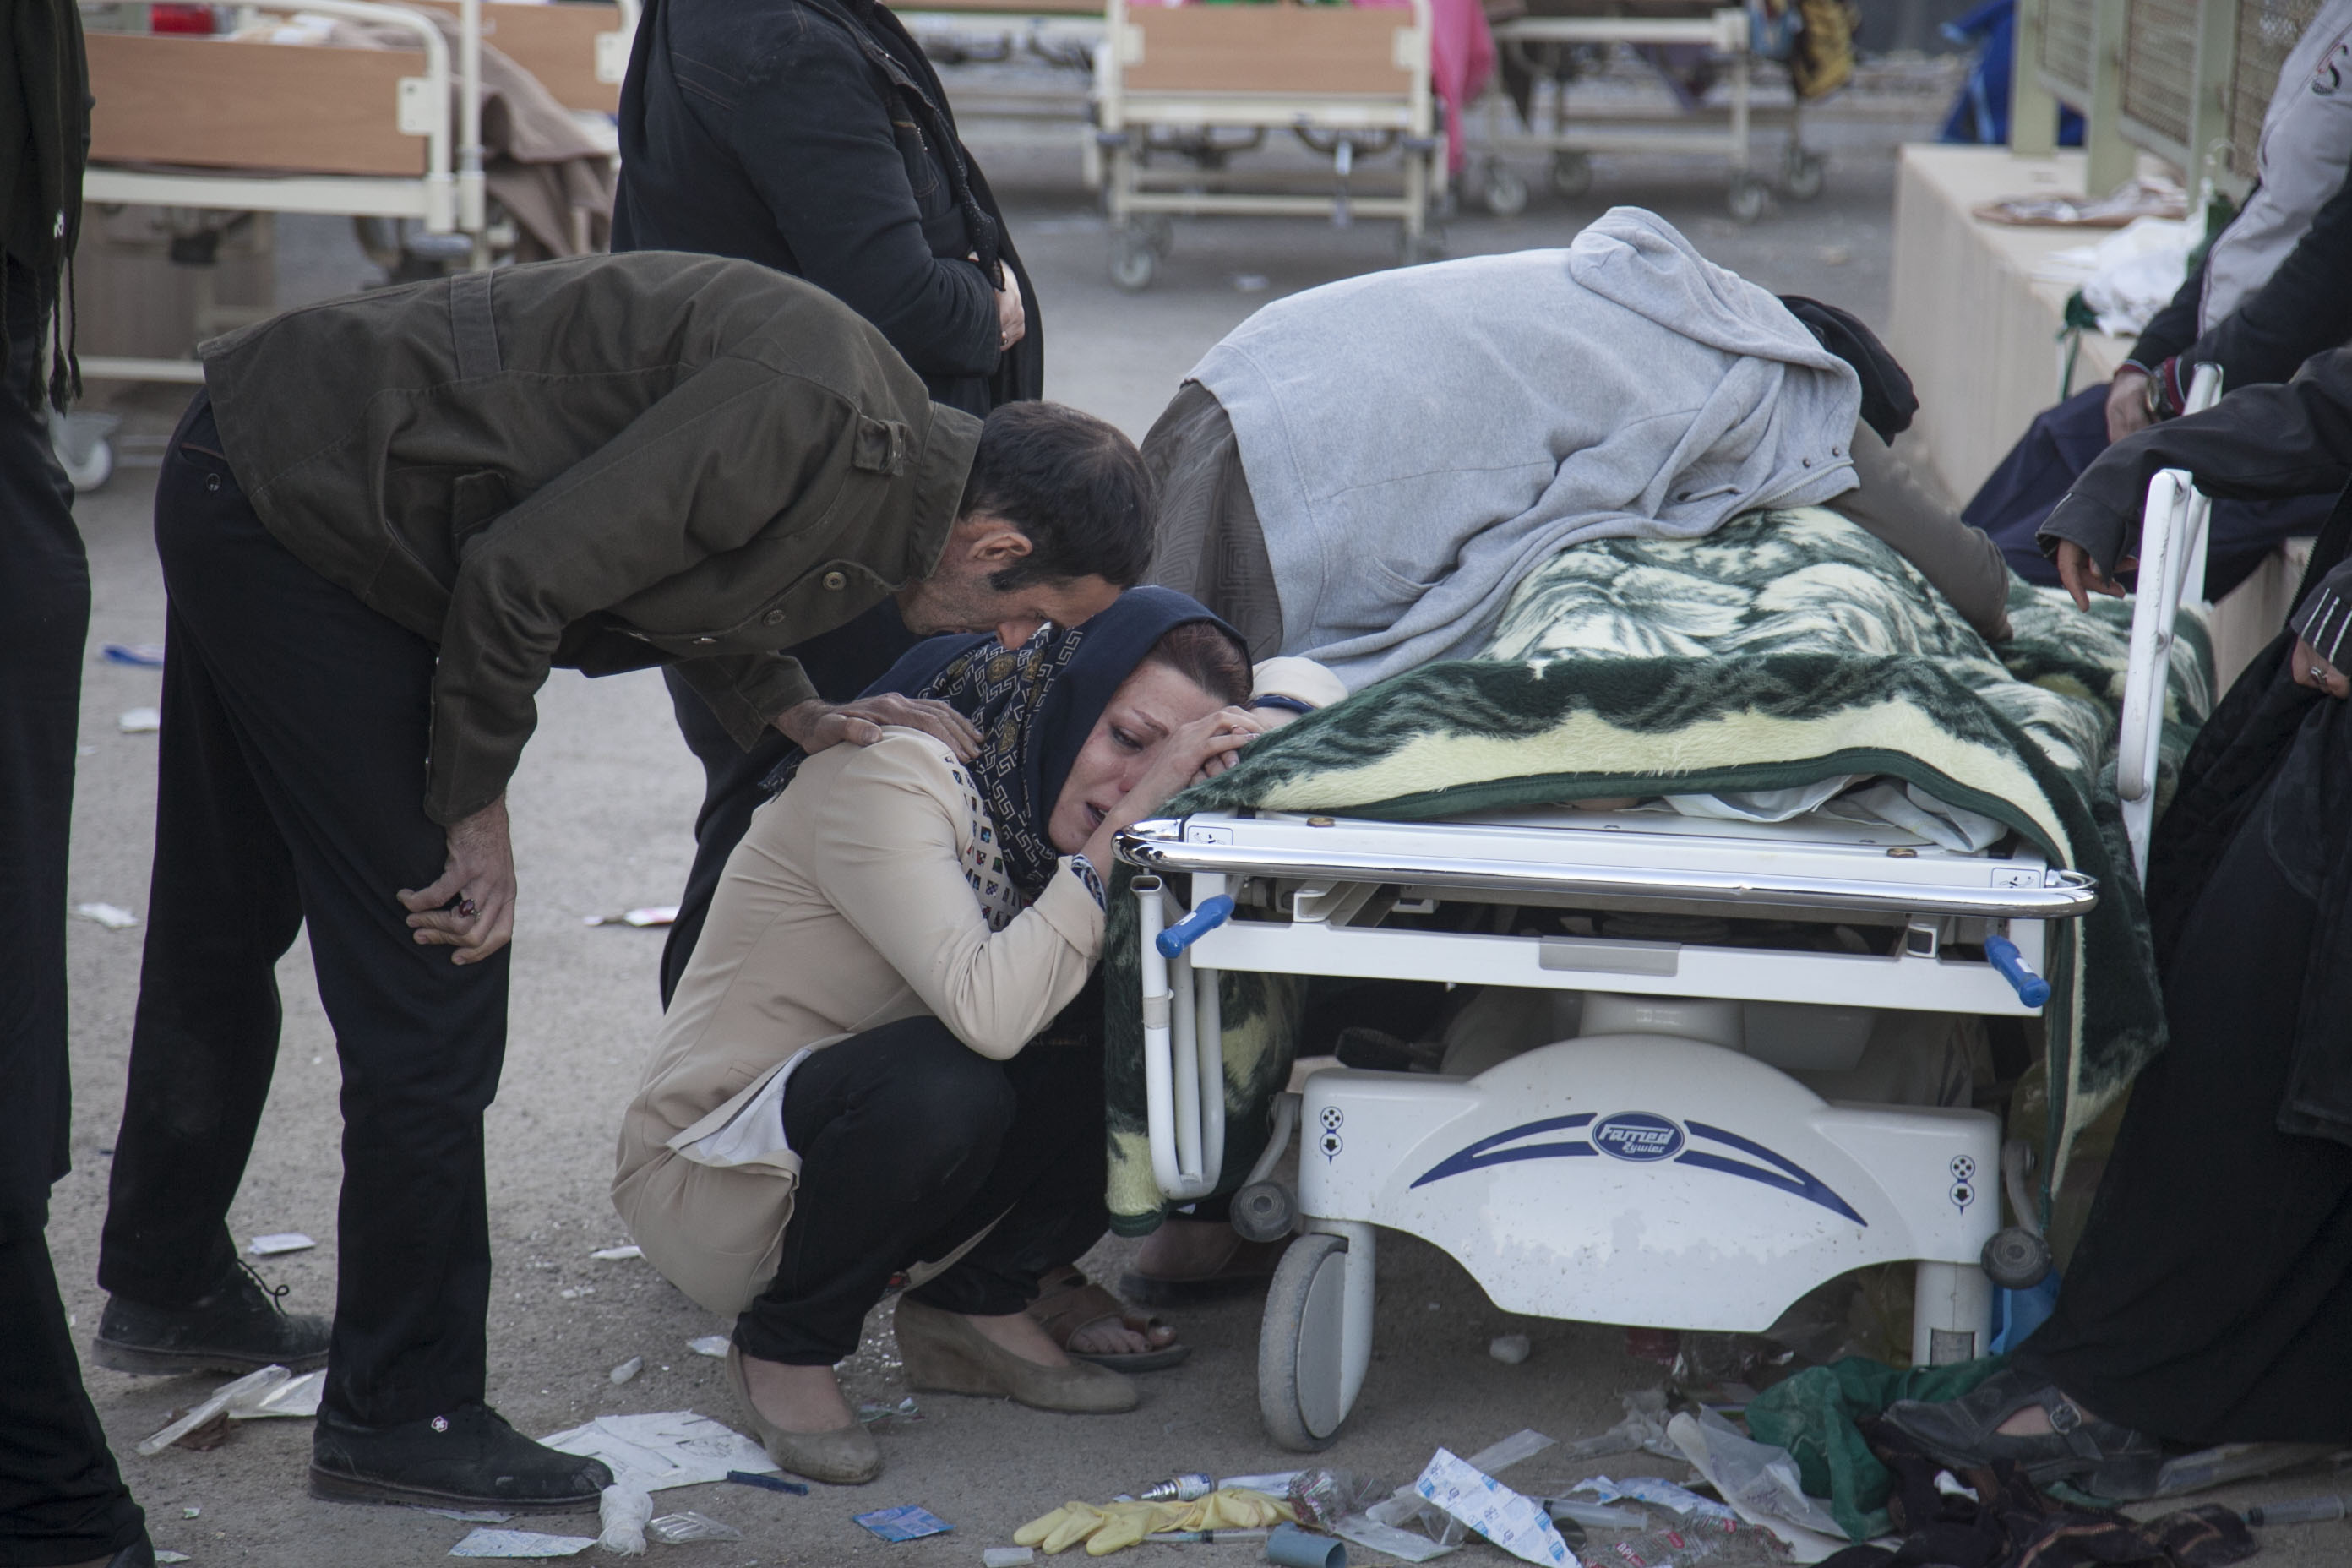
x=675, y=1528
x=623, y=1513
x=1322, y=1498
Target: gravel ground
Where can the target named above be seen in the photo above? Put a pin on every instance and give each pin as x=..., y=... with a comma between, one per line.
x=602, y=810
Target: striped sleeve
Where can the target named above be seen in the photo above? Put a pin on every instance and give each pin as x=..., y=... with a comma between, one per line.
x=2327, y=616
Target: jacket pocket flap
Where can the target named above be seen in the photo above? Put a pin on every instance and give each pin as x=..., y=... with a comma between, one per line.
x=880, y=446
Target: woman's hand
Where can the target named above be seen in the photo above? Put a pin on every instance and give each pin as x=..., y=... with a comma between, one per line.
x=2127, y=402
x=1012, y=322
x=2315, y=672
x=480, y=876
x=2082, y=576
x=1180, y=760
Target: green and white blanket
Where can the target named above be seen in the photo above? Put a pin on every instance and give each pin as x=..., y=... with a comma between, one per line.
x=1784, y=649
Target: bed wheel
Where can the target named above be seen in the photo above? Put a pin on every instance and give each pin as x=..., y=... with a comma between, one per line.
x=1800, y=172
x=1571, y=174
x=1746, y=200
x=1264, y=1211
x=1504, y=194
x=2015, y=1258
x=1133, y=261
x=1298, y=1345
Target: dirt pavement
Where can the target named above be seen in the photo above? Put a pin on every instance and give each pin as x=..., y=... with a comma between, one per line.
x=603, y=807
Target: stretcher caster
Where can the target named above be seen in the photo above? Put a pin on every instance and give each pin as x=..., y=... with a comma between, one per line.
x=2014, y=1259
x=82, y=448
x=1571, y=174
x=1746, y=199
x=1800, y=172
x=1134, y=263
x=1504, y=194
x=1264, y=1210
x=1314, y=1343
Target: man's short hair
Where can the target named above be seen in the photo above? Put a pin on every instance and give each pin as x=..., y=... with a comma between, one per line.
x=1072, y=484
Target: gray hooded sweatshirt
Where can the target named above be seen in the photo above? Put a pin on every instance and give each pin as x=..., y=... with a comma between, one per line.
x=1417, y=441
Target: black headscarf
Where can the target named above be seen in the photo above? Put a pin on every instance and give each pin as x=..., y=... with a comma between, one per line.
x=1034, y=706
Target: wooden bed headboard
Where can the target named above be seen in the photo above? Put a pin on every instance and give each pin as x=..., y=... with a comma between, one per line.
x=557, y=44
x=218, y=103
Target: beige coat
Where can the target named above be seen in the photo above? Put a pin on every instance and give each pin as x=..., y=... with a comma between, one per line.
x=860, y=896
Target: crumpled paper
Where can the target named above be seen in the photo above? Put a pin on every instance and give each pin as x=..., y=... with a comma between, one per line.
x=672, y=1449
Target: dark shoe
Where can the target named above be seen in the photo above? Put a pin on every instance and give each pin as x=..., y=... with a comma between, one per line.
x=470, y=1457
x=239, y=1327
x=2104, y=1458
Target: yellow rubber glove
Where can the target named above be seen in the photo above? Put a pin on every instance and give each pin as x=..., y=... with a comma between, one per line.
x=1060, y=1530
x=1126, y=1524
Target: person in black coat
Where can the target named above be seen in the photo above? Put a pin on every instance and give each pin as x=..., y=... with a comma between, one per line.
x=814, y=136
x=2210, y=1298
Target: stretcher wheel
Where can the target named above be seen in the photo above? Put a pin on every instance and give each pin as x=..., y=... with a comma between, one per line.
x=1264, y=1211
x=1133, y=262
x=1157, y=231
x=1746, y=200
x=92, y=470
x=1504, y=194
x=1571, y=174
x=1298, y=1364
x=2016, y=1258
x=1800, y=172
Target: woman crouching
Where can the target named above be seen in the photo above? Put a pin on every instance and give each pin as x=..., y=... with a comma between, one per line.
x=862, y=1075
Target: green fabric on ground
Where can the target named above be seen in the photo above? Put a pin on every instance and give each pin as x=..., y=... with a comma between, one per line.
x=1813, y=1416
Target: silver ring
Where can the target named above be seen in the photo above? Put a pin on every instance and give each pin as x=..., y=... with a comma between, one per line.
x=2318, y=672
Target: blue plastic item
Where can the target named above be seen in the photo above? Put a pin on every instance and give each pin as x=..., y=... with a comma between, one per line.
x=1212, y=913
x=2031, y=989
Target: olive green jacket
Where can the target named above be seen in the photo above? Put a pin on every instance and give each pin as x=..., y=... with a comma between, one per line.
x=601, y=463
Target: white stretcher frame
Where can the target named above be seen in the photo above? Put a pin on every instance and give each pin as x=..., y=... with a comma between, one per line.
x=1141, y=201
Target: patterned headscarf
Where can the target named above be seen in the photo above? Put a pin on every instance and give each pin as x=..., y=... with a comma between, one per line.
x=1034, y=706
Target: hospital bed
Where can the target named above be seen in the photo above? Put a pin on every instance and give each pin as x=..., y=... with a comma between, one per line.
x=1198, y=83
x=1663, y=1167
x=1568, y=135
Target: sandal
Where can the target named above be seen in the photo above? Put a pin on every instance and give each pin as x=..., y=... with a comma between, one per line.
x=1247, y=1268
x=2112, y=1459
x=1068, y=1302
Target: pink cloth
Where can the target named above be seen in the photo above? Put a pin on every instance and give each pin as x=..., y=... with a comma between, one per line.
x=1461, y=60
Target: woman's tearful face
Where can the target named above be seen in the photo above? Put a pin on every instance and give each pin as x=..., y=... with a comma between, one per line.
x=1150, y=706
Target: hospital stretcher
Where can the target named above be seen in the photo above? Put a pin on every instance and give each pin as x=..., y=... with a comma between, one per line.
x=1569, y=135
x=1663, y=1167
x=237, y=125
x=1352, y=83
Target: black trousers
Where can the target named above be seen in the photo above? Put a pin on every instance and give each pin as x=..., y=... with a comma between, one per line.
x=292, y=776
x=840, y=664
x=2210, y=1298
x=911, y=1142
x=61, y=1498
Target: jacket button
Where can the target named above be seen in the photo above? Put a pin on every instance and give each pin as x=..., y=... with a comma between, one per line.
x=773, y=617
x=835, y=581
x=706, y=639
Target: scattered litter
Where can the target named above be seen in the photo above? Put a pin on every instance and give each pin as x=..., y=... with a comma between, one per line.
x=573, y=1292
x=467, y=1515
x=677, y=1529
x=614, y=1254
x=1677, y=1546
x=1658, y=1493
x=1597, y=1515
x=1950, y=1485
x=768, y=1483
x=906, y=1522
x=145, y=655
x=1511, y=1521
x=1274, y=1483
x=113, y=917
x=280, y=1241
x=1295, y=1548
x=1389, y=1541
x=1007, y=1556
x=672, y=1449
x=651, y=915
x=1179, y=1488
x=1205, y=1537
x=1511, y=1349
x=192, y=1512
x=1322, y=1498
x=297, y=1398
x=2296, y=1511
x=1407, y=1506
x=622, y=1515
x=251, y=1386
x=521, y=1543
x=875, y=1414
x=2233, y=1462
x=140, y=721
x=1759, y=1482
x=712, y=1345
x=163, y=1556
x=628, y=1369
x=1642, y=1430
x=1252, y=282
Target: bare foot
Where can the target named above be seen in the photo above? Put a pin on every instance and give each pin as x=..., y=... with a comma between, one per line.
x=1108, y=1336
x=1022, y=1334
x=798, y=1398
x=1187, y=1249
x=2034, y=1421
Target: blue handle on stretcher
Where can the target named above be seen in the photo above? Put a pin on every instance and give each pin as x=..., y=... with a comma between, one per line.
x=2031, y=989
x=1212, y=913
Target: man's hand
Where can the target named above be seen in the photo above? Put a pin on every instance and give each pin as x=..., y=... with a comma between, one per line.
x=2315, y=672
x=2082, y=577
x=814, y=725
x=480, y=878
x=2127, y=402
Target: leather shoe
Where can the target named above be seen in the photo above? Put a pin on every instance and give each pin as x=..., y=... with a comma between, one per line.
x=466, y=1458
x=2107, y=1458
x=841, y=1456
x=943, y=1354
x=236, y=1326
